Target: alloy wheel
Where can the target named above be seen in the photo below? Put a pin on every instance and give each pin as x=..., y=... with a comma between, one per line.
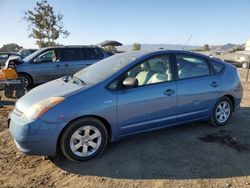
x=85, y=141
x=222, y=112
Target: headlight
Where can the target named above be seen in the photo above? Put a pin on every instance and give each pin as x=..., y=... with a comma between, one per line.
x=38, y=109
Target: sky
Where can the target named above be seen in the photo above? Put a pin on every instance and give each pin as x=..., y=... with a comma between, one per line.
x=213, y=22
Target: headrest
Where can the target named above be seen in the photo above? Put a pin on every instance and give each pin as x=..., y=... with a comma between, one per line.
x=160, y=67
x=145, y=66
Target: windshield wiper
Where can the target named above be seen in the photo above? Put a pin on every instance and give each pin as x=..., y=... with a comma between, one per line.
x=78, y=81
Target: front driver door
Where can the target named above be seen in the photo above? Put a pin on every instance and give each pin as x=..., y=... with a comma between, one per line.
x=46, y=67
x=153, y=103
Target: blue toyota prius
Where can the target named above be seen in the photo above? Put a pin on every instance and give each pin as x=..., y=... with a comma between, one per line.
x=125, y=94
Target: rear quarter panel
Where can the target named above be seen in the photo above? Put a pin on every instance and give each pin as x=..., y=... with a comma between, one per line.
x=231, y=84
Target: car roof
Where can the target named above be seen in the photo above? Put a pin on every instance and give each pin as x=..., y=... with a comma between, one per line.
x=71, y=46
x=141, y=53
x=28, y=49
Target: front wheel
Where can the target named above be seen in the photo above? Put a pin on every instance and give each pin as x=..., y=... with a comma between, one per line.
x=26, y=80
x=222, y=112
x=83, y=139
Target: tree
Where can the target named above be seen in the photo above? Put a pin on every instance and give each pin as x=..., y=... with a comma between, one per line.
x=206, y=47
x=46, y=26
x=12, y=47
x=136, y=46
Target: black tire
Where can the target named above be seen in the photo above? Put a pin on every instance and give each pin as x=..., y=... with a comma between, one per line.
x=8, y=93
x=71, y=129
x=27, y=80
x=214, y=121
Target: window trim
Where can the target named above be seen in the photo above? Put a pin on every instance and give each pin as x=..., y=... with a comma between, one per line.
x=211, y=72
x=120, y=76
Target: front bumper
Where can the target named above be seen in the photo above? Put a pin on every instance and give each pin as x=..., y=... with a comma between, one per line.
x=36, y=137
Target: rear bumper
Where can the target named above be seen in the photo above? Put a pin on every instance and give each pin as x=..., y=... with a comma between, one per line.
x=35, y=138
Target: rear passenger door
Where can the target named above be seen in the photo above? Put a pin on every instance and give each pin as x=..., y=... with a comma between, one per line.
x=71, y=59
x=45, y=67
x=92, y=55
x=75, y=59
x=197, y=87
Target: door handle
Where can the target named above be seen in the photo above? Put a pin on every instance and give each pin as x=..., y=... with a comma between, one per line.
x=57, y=65
x=169, y=92
x=214, y=84
x=66, y=65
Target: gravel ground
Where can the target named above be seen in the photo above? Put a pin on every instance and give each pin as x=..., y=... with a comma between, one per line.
x=196, y=155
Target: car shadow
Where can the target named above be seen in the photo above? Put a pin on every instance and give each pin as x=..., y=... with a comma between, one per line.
x=173, y=153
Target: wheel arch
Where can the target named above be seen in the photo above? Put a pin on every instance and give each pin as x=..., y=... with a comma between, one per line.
x=231, y=99
x=27, y=74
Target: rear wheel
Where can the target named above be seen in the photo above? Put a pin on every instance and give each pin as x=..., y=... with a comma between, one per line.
x=222, y=112
x=84, y=139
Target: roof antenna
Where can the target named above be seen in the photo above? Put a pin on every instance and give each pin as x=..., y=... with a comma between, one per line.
x=189, y=38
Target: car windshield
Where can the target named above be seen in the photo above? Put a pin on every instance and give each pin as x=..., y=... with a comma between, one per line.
x=106, y=67
x=33, y=55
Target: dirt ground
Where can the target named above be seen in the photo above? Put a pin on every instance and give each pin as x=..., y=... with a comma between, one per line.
x=196, y=155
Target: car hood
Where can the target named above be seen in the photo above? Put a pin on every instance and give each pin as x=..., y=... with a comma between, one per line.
x=55, y=88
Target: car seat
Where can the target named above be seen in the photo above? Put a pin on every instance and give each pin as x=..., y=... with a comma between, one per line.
x=160, y=75
x=144, y=75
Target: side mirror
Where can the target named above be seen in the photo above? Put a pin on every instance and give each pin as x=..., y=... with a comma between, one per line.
x=130, y=82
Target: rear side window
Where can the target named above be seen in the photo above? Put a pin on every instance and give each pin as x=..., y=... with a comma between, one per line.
x=93, y=53
x=191, y=66
x=72, y=54
x=217, y=67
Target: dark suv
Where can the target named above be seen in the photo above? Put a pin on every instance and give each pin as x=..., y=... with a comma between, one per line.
x=54, y=62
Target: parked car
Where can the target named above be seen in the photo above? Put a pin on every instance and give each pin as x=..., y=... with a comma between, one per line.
x=47, y=64
x=241, y=60
x=4, y=56
x=122, y=95
x=26, y=52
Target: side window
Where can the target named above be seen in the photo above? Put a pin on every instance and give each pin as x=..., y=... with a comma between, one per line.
x=46, y=57
x=72, y=54
x=92, y=53
x=191, y=66
x=4, y=56
x=217, y=67
x=151, y=71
